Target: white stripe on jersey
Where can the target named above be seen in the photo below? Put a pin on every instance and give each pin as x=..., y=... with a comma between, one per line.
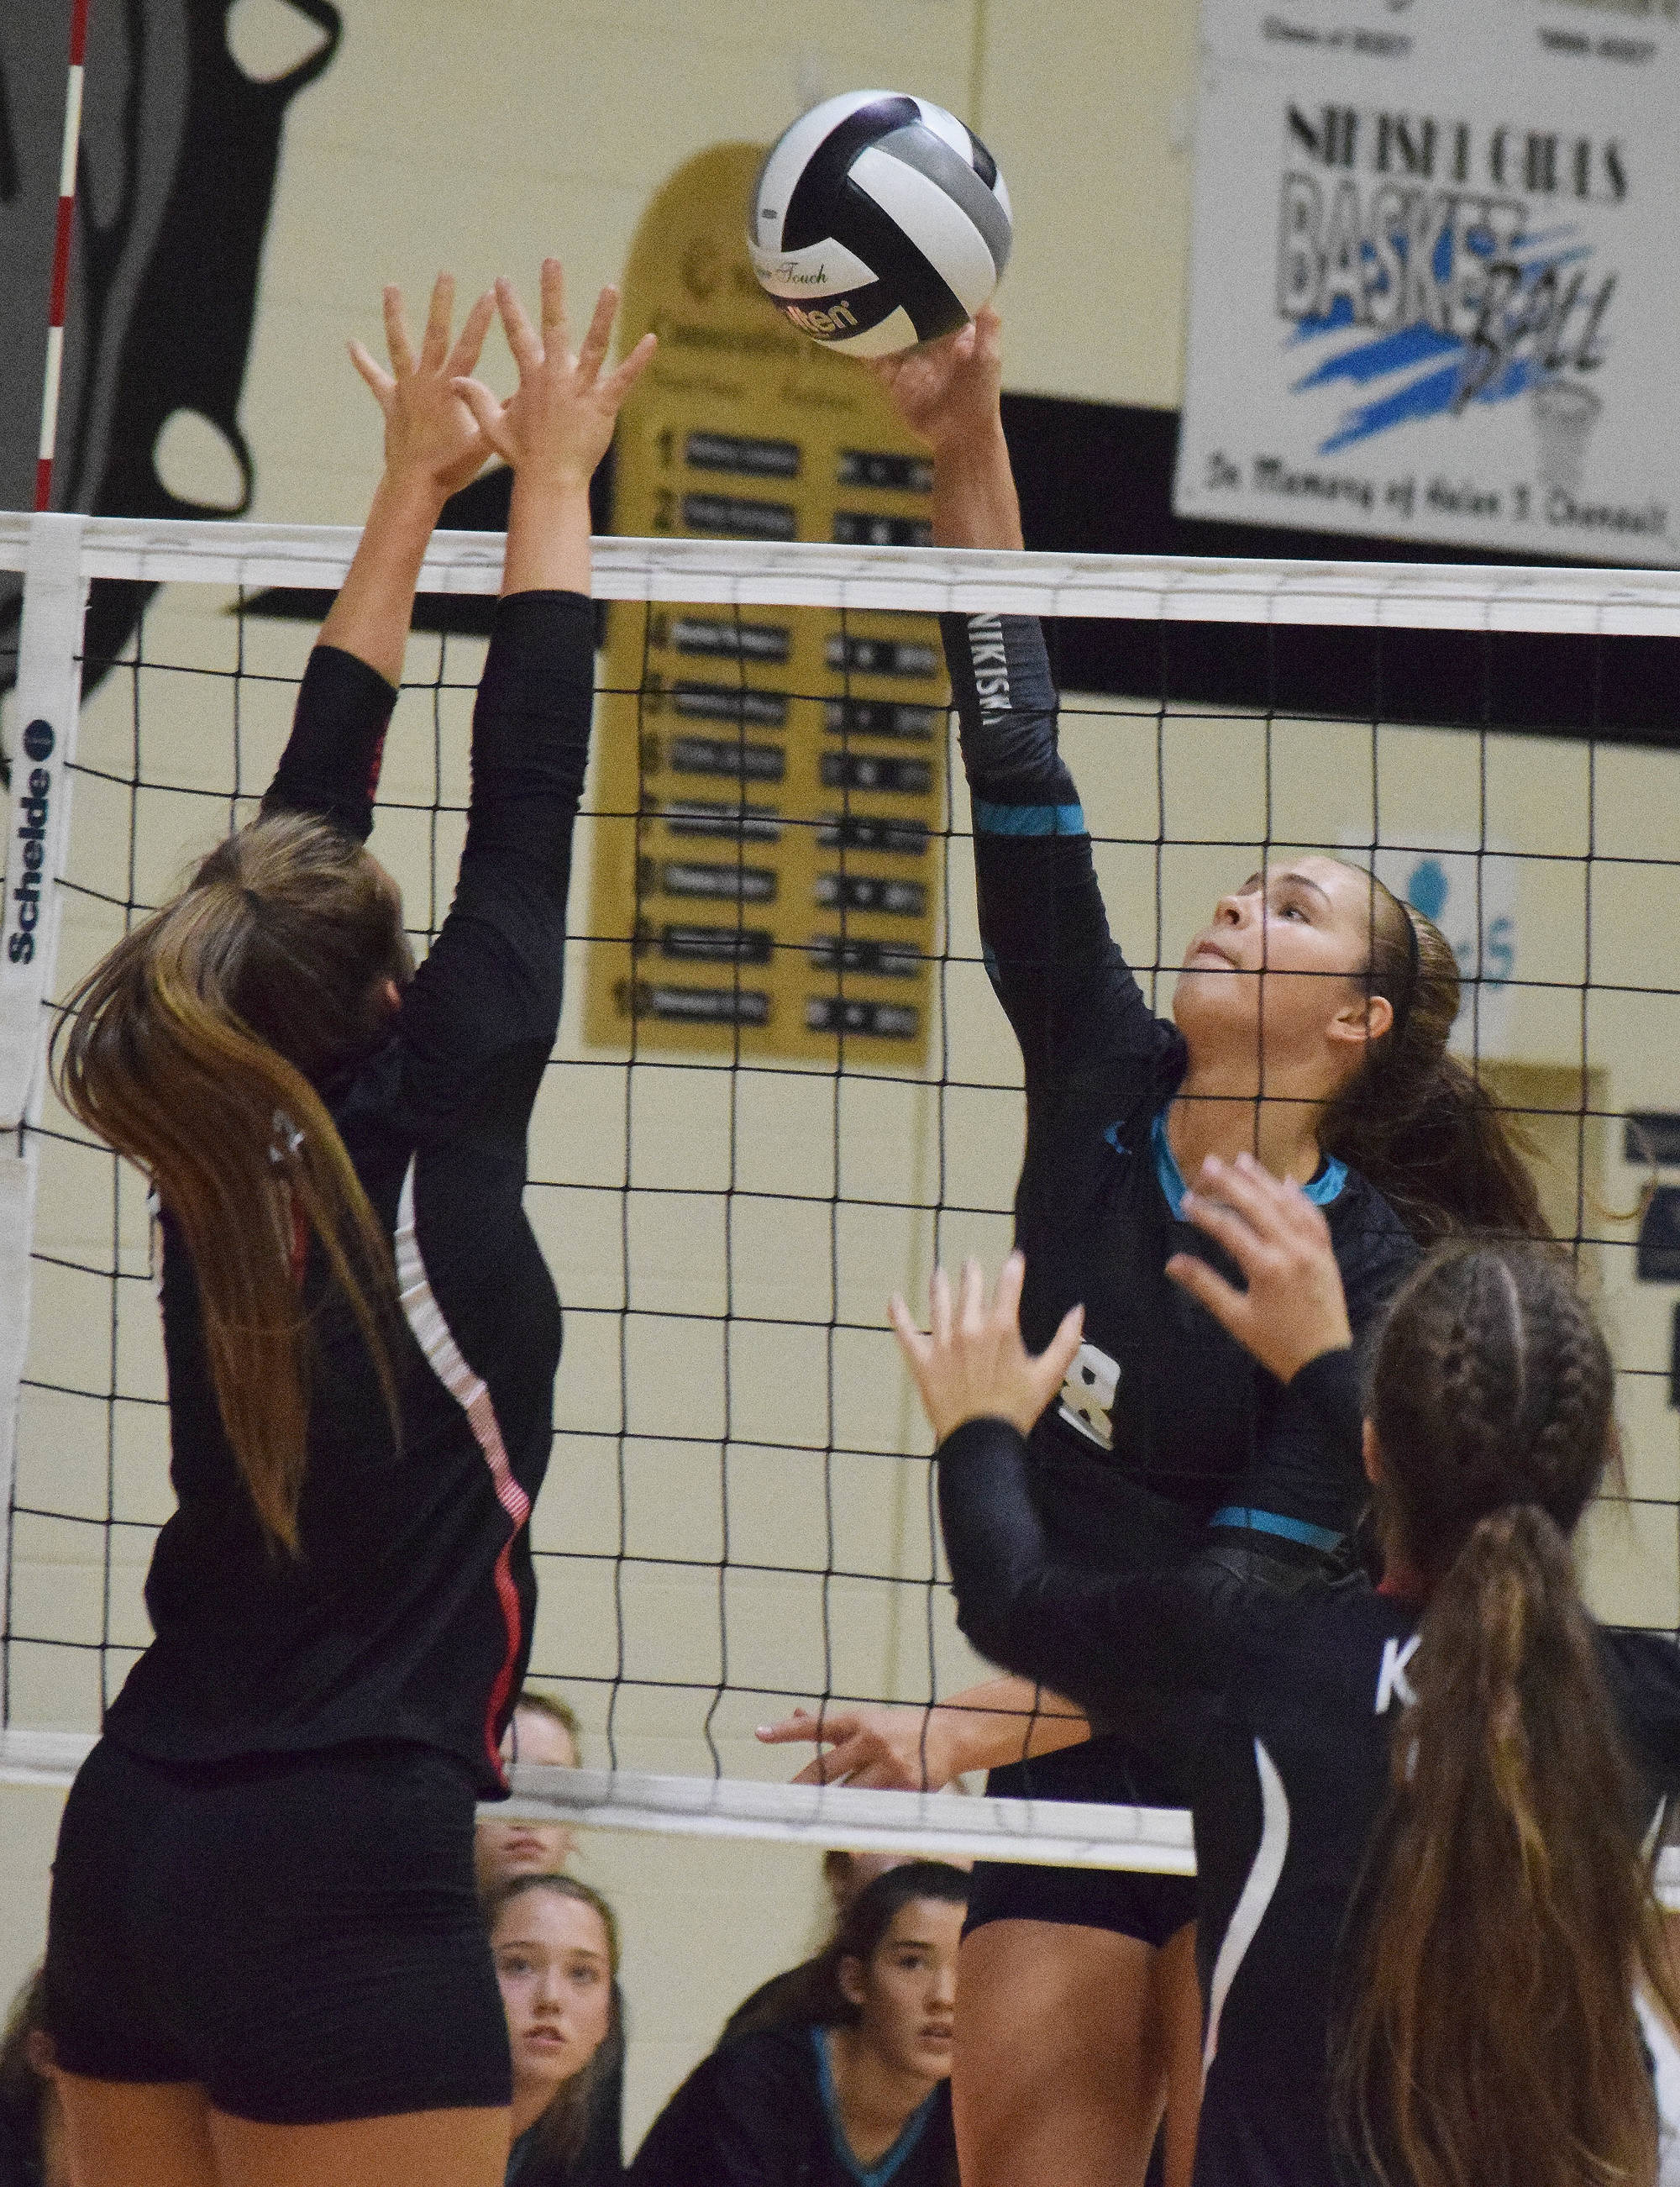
x=1257, y=1892
x=435, y=1337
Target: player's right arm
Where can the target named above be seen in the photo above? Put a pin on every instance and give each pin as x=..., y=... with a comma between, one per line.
x=891, y=1745
x=492, y=980
x=1070, y=996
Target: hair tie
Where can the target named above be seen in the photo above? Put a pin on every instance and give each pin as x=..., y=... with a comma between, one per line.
x=1402, y=1008
x=287, y=1143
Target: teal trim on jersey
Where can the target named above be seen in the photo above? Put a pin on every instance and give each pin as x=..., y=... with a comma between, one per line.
x=901, y=2148
x=1324, y=1189
x=1274, y=1522
x=1029, y=819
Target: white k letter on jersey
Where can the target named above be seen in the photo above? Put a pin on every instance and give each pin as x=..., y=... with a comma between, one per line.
x=1087, y=1394
x=1392, y=1684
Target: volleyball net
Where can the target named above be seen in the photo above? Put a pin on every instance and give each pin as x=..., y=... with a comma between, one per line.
x=782, y=1088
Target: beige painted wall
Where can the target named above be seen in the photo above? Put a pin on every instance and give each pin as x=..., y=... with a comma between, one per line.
x=549, y=125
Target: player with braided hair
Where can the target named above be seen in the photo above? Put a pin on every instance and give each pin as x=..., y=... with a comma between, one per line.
x=1420, y=1806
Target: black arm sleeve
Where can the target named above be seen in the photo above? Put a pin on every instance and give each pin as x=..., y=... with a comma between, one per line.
x=1643, y=1672
x=1098, y=1636
x=1074, y=1003
x=331, y=763
x=492, y=981
x=1329, y=1386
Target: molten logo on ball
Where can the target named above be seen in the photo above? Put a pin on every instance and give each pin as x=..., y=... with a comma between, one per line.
x=891, y=209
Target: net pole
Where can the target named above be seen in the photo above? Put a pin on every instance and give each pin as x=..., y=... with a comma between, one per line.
x=59, y=294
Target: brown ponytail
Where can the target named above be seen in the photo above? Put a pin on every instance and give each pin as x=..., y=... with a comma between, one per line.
x=190, y=1049
x=1417, y=1122
x=1488, y=2037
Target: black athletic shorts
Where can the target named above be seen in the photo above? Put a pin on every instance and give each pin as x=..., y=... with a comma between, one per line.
x=1117, y=1772
x=1151, y=1907
x=299, y=1934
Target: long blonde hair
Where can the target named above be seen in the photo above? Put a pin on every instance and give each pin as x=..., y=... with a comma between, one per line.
x=194, y=1048
x=1488, y=2035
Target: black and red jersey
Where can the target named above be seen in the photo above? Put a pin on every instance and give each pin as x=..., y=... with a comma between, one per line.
x=407, y=1614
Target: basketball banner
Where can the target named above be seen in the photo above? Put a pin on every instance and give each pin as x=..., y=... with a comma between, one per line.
x=1434, y=264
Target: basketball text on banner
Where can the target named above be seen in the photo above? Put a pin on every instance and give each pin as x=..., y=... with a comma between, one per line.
x=49, y=692
x=771, y=786
x=1434, y=255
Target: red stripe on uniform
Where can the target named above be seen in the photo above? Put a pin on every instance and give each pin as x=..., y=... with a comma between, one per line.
x=444, y=1356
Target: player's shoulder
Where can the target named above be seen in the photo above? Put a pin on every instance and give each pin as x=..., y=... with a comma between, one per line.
x=1373, y=1248
x=1337, y=1637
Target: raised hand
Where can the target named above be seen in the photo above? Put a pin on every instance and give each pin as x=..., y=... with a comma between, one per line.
x=430, y=433
x=873, y=1743
x=557, y=426
x=1293, y=1307
x=974, y=1366
x=946, y=391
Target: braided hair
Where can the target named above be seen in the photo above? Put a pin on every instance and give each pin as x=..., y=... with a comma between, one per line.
x=1486, y=2036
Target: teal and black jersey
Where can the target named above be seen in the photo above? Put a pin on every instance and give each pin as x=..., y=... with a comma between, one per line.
x=1274, y=1710
x=1164, y=1419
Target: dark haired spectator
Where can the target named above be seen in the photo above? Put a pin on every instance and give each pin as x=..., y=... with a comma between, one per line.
x=555, y=1944
x=32, y=2150
x=792, y=1993
x=541, y=1729
x=852, y=2088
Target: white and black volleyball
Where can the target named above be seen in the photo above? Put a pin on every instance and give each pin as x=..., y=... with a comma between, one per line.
x=878, y=221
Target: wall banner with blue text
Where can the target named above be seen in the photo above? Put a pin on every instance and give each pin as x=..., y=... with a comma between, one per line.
x=1434, y=271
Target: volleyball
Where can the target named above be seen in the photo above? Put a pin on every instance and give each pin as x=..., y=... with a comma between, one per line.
x=879, y=221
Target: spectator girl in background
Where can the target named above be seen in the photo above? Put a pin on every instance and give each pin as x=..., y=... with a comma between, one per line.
x=852, y=2086
x=265, y=1959
x=543, y=1728
x=1423, y=1893
x=797, y=1992
x=1310, y=1022
x=555, y=1944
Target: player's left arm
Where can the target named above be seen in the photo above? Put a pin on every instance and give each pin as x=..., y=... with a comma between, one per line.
x=433, y=446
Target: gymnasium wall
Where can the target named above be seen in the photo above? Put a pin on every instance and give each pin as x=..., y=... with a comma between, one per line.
x=547, y=127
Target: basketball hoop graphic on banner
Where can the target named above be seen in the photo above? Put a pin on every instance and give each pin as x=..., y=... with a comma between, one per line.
x=1433, y=252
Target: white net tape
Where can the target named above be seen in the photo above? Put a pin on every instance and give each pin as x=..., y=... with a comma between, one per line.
x=1376, y=596
x=924, y=580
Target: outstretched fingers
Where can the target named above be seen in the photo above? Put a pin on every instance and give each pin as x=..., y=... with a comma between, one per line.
x=488, y=415
x=522, y=342
x=971, y=1299
x=939, y=1303
x=1058, y=1355
x=617, y=384
x=555, y=336
x=462, y=359
x=397, y=343
x=593, y=353
x=373, y=372
x=435, y=343
x=916, y=1347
